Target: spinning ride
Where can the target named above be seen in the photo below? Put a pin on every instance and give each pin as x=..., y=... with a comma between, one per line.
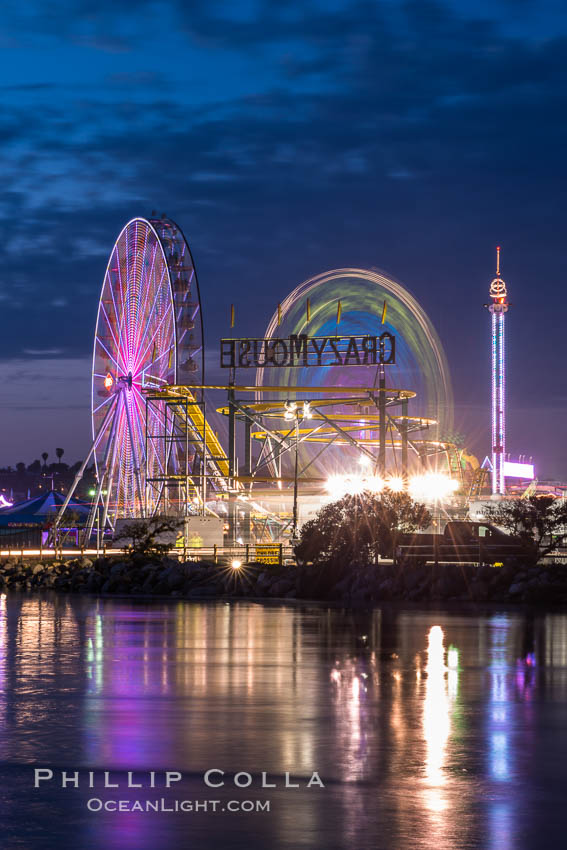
x=354, y=301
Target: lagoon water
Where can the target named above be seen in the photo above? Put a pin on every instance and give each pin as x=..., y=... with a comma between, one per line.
x=429, y=728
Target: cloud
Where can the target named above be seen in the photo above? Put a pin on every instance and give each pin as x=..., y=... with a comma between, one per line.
x=290, y=139
x=46, y=352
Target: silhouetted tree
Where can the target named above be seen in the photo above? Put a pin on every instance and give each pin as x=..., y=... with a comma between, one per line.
x=35, y=467
x=20, y=468
x=59, y=453
x=142, y=537
x=44, y=455
x=540, y=521
x=360, y=527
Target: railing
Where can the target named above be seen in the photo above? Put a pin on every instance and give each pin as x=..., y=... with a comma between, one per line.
x=273, y=553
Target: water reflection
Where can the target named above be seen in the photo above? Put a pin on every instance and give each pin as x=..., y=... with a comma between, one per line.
x=426, y=726
x=436, y=724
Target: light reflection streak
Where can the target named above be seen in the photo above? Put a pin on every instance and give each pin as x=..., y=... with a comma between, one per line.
x=3, y=655
x=498, y=717
x=436, y=722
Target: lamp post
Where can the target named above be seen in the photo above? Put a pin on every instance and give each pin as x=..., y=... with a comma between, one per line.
x=298, y=414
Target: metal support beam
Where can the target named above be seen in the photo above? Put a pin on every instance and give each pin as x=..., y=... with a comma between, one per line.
x=232, y=509
x=247, y=446
x=103, y=477
x=382, y=423
x=343, y=433
x=404, y=436
x=83, y=466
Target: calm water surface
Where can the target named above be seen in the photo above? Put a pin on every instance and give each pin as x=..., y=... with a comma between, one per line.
x=430, y=729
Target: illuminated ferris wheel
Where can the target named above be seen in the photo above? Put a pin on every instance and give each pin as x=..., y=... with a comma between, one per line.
x=149, y=335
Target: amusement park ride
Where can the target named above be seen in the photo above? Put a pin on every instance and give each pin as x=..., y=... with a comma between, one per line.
x=320, y=404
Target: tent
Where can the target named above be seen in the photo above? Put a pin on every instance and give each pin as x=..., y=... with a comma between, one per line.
x=40, y=511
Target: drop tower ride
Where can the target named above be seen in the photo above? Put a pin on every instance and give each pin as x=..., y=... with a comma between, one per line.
x=498, y=308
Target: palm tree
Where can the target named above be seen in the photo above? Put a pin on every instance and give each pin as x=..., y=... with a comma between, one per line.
x=44, y=456
x=59, y=453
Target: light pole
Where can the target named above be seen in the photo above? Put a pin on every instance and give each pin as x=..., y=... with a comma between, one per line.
x=298, y=414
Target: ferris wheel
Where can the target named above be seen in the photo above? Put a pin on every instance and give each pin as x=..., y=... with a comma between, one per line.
x=149, y=335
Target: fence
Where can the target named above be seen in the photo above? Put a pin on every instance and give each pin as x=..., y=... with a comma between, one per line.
x=273, y=553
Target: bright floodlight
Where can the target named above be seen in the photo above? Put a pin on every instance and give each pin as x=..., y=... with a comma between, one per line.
x=236, y=564
x=342, y=485
x=364, y=461
x=374, y=483
x=432, y=487
x=395, y=483
x=290, y=410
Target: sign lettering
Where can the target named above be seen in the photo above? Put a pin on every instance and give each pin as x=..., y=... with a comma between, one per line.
x=299, y=350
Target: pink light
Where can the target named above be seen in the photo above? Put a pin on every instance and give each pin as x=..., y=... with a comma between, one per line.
x=4, y=503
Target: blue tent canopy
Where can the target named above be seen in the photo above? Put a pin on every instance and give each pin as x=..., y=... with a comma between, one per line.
x=38, y=511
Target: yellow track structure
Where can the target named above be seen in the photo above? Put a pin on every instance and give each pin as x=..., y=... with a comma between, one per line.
x=198, y=426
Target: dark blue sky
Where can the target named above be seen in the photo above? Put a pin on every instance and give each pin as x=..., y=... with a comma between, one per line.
x=286, y=139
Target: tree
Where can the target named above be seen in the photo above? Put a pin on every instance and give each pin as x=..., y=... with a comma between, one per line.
x=35, y=467
x=67, y=526
x=154, y=536
x=44, y=455
x=20, y=468
x=59, y=453
x=540, y=521
x=360, y=527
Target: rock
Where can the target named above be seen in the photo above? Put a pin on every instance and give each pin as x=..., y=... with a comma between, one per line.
x=486, y=572
x=175, y=579
x=281, y=587
x=412, y=578
x=343, y=585
x=263, y=580
x=521, y=576
x=147, y=585
x=94, y=582
x=479, y=592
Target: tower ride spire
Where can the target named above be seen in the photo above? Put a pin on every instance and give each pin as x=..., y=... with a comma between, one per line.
x=498, y=308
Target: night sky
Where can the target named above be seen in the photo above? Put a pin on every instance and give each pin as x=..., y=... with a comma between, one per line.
x=286, y=138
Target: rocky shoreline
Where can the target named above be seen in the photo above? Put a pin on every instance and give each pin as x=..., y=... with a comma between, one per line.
x=350, y=584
